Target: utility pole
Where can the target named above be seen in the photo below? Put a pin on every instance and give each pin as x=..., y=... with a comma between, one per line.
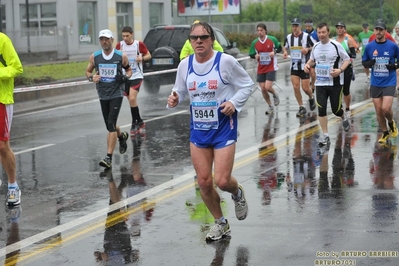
x=209, y=11
x=285, y=17
x=27, y=23
x=1, y=18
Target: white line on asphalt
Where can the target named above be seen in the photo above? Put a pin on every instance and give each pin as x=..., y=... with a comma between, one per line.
x=146, y=194
x=34, y=149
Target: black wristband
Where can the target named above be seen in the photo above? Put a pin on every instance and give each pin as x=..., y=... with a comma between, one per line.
x=90, y=78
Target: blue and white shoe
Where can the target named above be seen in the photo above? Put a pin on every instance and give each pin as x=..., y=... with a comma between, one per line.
x=13, y=196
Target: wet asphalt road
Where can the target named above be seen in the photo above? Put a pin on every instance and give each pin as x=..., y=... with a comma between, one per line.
x=307, y=206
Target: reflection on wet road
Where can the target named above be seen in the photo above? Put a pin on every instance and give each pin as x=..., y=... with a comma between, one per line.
x=308, y=205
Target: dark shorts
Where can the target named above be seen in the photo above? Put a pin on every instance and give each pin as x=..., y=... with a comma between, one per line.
x=270, y=76
x=378, y=92
x=135, y=84
x=300, y=73
x=110, y=110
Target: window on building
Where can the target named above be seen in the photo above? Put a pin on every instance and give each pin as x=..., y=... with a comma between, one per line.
x=124, y=17
x=86, y=22
x=156, y=14
x=42, y=19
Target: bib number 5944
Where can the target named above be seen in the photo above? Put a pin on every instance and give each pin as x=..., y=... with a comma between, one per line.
x=204, y=114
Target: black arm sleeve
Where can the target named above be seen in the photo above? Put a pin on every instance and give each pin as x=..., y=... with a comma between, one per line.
x=352, y=52
x=392, y=66
x=368, y=63
x=279, y=49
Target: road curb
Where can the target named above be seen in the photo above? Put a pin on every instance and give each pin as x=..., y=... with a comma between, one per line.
x=35, y=98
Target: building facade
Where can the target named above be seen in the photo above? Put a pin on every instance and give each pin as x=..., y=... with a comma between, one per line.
x=69, y=28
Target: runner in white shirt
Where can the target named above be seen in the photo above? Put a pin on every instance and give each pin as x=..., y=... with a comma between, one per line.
x=217, y=86
x=137, y=53
x=330, y=60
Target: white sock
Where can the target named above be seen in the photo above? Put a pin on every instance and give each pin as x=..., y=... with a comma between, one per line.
x=13, y=185
x=221, y=220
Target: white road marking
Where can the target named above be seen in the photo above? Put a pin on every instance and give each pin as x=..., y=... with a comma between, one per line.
x=34, y=149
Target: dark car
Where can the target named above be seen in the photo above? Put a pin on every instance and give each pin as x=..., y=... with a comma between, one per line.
x=165, y=44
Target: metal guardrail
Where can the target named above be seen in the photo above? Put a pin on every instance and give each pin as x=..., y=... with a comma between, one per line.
x=84, y=82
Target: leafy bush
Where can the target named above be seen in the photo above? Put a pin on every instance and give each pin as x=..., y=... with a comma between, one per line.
x=244, y=40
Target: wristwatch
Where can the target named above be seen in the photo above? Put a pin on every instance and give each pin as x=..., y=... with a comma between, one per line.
x=90, y=78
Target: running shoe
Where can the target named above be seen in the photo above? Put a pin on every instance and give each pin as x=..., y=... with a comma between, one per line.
x=394, y=131
x=324, y=140
x=384, y=138
x=301, y=111
x=276, y=99
x=241, y=205
x=13, y=196
x=269, y=111
x=312, y=104
x=218, y=231
x=123, y=142
x=106, y=162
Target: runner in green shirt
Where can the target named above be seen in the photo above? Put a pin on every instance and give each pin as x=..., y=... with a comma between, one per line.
x=363, y=40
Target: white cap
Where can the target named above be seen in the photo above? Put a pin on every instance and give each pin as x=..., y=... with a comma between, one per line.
x=105, y=33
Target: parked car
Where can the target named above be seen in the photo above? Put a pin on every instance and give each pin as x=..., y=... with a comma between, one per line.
x=165, y=44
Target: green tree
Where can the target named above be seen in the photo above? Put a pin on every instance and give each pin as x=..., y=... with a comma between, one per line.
x=330, y=11
x=264, y=11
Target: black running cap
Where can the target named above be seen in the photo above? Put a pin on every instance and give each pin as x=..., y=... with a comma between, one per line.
x=365, y=25
x=380, y=24
x=340, y=24
x=296, y=21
